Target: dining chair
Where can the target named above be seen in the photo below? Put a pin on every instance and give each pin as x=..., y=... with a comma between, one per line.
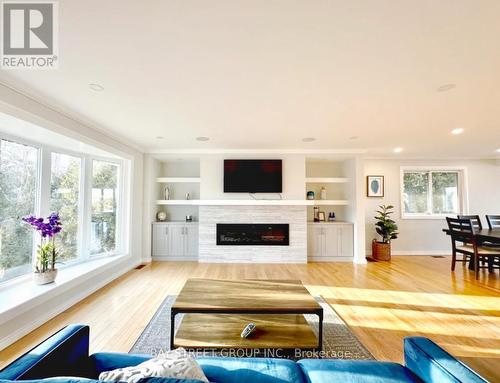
x=463, y=241
x=476, y=221
x=493, y=221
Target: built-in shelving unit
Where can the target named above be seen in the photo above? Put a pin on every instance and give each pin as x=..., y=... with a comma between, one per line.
x=181, y=177
x=329, y=174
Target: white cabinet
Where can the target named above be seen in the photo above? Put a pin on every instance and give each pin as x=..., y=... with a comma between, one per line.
x=175, y=241
x=330, y=241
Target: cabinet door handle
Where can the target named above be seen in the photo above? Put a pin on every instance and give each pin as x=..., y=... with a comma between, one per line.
x=166, y=230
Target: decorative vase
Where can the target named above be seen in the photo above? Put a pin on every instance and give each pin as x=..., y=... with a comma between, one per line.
x=381, y=251
x=45, y=278
x=310, y=195
x=323, y=193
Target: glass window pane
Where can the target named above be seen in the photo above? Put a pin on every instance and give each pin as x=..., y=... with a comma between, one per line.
x=18, y=190
x=445, y=193
x=104, y=207
x=416, y=190
x=64, y=199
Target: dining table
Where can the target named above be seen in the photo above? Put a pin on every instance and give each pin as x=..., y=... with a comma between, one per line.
x=484, y=237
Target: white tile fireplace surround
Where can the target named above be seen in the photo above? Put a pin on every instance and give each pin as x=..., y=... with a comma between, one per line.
x=295, y=216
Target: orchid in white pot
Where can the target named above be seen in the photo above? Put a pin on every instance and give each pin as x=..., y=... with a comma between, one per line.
x=45, y=266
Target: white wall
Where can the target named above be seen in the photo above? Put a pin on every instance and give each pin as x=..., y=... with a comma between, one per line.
x=425, y=236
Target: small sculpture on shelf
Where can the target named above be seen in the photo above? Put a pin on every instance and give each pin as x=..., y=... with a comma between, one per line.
x=161, y=216
x=331, y=216
x=166, y=193
x=310, y=195
x=316, y=214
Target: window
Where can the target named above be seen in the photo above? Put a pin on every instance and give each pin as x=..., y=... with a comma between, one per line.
x=428, y=193
x=65, y=199
x=104, y=207
x=18, y=196
x=83, y=189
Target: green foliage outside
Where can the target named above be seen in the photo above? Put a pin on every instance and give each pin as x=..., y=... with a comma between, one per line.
x=18, y=176
x=104, y=206
x=18, y=191
x=64, y=191
x=444, y=188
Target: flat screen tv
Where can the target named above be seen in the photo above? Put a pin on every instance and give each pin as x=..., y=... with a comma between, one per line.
x=253, y=176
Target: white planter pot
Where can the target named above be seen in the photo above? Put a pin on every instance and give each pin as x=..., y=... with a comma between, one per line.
x=44, y=278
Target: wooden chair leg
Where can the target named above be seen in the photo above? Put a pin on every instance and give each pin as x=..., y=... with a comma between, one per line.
x=453, y=261
x=476, y=266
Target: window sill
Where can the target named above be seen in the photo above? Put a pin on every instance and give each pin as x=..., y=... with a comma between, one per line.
x=21, y=294
x=427, y=217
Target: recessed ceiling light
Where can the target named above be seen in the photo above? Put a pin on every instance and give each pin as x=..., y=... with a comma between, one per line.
x=308, y=139
x=457, y=131
x=160, y=137
x=353, y=137
x=446, y=87
x=96, y=87
x=397, y=150
x=202, y=139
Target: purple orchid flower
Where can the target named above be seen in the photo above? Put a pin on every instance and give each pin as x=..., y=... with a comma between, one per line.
x=46, y=229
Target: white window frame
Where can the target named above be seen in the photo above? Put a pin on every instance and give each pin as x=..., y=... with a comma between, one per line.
x=81, y=256
x=42, y=199
x=119, y=207
x=463, y=200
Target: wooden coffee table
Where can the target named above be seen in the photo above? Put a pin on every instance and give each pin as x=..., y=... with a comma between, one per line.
x=216, y=311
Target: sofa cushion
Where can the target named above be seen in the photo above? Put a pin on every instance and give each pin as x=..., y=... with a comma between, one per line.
x=354, y=371
x=433, y=364
x=251, y=370
x=177, y=363
x=107, y=361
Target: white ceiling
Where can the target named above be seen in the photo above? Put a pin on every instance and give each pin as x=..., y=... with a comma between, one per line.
x=263, y=74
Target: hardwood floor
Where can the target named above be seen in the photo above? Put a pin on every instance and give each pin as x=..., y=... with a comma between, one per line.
x=381, y=302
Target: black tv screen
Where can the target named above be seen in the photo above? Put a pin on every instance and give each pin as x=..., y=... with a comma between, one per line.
x=253, y=176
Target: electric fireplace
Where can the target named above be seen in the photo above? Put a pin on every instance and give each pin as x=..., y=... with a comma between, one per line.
x=257, y=234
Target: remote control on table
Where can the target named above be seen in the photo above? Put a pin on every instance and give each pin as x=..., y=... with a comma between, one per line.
x=249, y=328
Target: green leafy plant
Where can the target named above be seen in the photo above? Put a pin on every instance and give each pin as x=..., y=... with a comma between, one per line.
x=46, y=257
x=385, y=226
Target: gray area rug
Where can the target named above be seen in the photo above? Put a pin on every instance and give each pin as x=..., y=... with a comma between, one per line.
x=338, y=341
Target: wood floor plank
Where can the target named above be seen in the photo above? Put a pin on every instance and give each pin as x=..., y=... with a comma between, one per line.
x=381, y=302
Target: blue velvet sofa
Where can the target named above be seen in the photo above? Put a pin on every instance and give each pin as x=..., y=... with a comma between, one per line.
x=66, y=354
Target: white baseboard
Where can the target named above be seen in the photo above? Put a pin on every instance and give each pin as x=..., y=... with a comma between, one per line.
x=63, y=306
x=330, y=259
x=176, y=259
x=416, y=252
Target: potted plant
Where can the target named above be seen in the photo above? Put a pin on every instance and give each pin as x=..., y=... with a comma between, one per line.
x=45, y=266
x=388, y=230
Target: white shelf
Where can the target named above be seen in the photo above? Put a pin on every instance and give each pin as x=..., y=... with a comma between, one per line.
x=330, y=202
x=224, y=202
x=247, y=202
x=327, y=180
x=178, y=180
x=179, y=202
